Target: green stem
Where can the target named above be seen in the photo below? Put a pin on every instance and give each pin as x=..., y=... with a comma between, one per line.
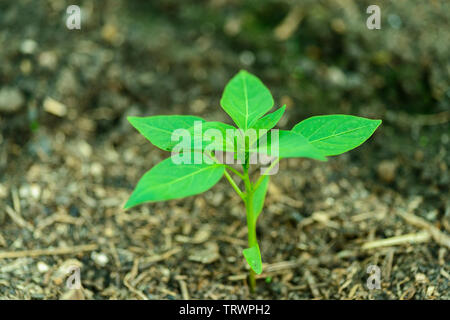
x=258, y=182
x=234, y=185
x=251, y=224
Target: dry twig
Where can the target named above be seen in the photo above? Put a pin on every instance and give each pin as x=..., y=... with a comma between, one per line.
x=393, y=241
x=48, y=252
x=438, y=236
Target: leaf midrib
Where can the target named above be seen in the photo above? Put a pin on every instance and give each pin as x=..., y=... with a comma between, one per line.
x=246, y=100
x=183, y=177
x=341, y=133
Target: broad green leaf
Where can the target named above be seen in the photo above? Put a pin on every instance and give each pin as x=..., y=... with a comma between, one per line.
x=253, y=257
x=246, y=99
x=336, y=134
x=270, y=120
x=259, y=196
x=168, y=180
x=290, y=145
x=159, y=129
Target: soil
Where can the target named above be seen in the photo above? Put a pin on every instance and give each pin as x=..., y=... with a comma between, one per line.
x=69, y=160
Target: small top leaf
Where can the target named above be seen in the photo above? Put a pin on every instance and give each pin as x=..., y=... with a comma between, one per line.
x=158, y=129
x=246, y=99
x=253, y=257
x=270, y=120
x=336, y=134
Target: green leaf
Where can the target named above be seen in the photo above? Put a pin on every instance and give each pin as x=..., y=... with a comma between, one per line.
x=253, y=257
x=259, y=196
x=336, y=134
x=168, y=180
x=290, y=145
x=270, y=120
x=158, y=129
x=246, y=99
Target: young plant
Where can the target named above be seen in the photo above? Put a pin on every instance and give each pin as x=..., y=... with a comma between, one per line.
x=197, y=144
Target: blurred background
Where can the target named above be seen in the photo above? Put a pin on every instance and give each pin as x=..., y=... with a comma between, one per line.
x=69, y=159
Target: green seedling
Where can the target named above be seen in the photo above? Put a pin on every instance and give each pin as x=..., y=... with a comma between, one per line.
x=194, y=166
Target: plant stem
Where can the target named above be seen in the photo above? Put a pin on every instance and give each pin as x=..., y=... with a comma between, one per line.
x=234, y=185
x=251, y=224
x=273, y=164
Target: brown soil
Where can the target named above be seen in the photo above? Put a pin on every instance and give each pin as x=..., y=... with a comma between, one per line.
x=63, y=184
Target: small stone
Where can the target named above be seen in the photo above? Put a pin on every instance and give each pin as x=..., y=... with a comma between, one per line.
x=217, y=199
x=96, y=169
x=247, y=58
x=198, y=106
x=387, y=170
x=100, y=259
x=26, y=66
x=110, y=34
x=55, y=107
x=85, y=149
x=165, y=272
x=35, y=191
x=201, y=236
x=431, y=291
x=232, y=26
x=11, y=100
x=421, y=278
x=206, y=256
x=42, y=267
x=48, y=59
x=24, y=191
x=28, y=46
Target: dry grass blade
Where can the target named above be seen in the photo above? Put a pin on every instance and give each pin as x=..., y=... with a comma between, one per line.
x=399, y=240
x=15, y=216
x=438, y=236
x=48, y=252
x=132, y=275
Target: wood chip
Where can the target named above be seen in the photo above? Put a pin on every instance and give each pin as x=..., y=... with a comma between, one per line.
x=184, y=289
x=312, y=284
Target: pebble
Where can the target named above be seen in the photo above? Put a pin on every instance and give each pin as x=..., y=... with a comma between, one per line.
x=387, y=170
x=42, y=267
x=28, y=46
x=421, y=278
x=27, y=191
x=206, y=256
x=11, y=100
x=198, y=106
x=48, y=59
x=96, y=169
x=55, y=107
x=100, y=259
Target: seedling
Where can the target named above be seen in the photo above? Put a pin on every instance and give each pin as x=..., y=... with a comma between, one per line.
x=199, y=149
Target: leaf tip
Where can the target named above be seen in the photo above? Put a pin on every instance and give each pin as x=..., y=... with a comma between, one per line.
x=128, y=205
x=132, y=119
